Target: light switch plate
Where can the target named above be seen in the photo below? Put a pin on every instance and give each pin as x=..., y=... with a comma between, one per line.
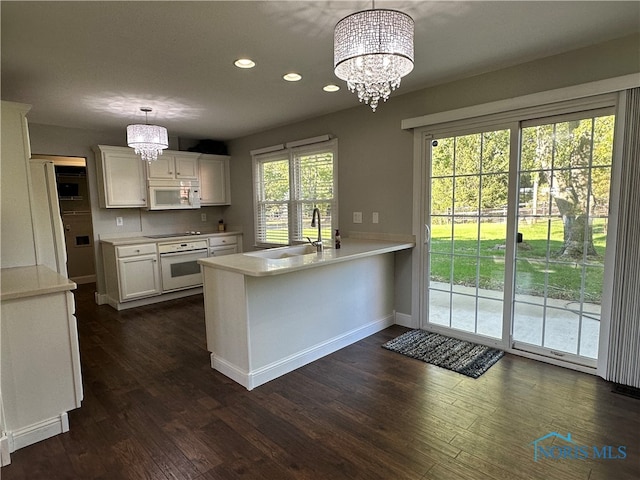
x=203, y=217
x=119, y=221
x=375, y=217
x=357, y=217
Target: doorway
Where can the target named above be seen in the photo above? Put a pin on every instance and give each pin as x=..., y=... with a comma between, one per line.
x=516, y=220
x=75, y=210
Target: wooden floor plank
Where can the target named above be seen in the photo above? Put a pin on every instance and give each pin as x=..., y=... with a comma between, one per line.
x=154, y=409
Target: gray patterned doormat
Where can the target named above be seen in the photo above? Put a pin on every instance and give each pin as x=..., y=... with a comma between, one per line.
x=467, y=358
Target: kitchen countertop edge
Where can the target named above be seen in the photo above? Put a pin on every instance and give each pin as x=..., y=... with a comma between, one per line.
x=118, y=241
x=31, y=281
x=255, y=266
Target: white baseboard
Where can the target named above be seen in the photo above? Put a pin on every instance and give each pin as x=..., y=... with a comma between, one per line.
x=83, y=279
x=230, y=370
x=255, y=378
x=5, y=456
x=38, y=431
x=102, y=299
x=406, y=320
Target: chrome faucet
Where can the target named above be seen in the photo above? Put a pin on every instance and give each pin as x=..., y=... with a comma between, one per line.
x=317, y=243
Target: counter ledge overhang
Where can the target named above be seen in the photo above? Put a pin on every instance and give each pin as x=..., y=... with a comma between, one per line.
x=260, y=267
x=30, y=281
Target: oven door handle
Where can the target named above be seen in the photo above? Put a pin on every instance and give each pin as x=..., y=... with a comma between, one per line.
x=189, y=252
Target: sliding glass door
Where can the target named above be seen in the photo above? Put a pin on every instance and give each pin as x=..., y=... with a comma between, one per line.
x=520, y=263
x=468, y=226
x=563, y=211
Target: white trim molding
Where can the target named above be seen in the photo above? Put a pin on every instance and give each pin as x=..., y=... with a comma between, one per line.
x=37, y=432
x=526, y=101
x=589, y=96
x=262, y=375
x=5, y=455
x=406, y=320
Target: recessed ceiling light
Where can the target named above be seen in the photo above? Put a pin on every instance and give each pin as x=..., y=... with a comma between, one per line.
x=292, y=77
x=331, y=88
x=244, y=63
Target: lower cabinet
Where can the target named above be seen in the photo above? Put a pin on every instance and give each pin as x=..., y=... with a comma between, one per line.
x=131, y=272
x=134, y=273
x=41, y=378
x=138, y=276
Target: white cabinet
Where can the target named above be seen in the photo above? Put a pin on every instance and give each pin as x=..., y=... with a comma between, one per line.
x=139, y=277
x=224, y=245
x=18, y=246
x=174, y=166
x=131, y=272
x=214, y=180
x=121, y=178
x=41, y=378
x=138, y=271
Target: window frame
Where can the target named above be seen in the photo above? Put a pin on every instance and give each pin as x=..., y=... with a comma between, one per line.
x=291, y=152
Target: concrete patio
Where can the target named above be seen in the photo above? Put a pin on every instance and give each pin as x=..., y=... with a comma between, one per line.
x=562, y=329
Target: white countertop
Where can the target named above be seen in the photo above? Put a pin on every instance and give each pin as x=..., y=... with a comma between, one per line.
x=21, y=282
x=259, y=266
x=116, y=241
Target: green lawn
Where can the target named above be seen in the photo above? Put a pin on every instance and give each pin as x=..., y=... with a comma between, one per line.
x=560, y=277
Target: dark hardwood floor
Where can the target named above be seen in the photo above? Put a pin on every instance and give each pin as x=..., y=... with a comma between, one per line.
x=154, y=409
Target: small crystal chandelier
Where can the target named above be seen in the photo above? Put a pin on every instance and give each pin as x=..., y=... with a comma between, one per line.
x=147, y=140
x=372, y=51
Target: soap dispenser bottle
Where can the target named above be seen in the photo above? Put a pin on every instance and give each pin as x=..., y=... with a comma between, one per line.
x=338, y=239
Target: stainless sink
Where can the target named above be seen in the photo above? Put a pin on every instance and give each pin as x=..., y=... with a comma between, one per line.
x=284, y=252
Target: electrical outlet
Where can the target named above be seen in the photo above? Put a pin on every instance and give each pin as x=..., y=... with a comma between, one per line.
x=357, y=217
x=203, y=217
x=119, y=221
x=375, y=217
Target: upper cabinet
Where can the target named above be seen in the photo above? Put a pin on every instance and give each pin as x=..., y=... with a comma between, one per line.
x=123, y=176
x=122, y=179
x=174, y=166
x=214, y=180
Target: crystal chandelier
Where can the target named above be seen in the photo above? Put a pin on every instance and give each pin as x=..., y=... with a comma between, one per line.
x=372, y=51
x=147, y=140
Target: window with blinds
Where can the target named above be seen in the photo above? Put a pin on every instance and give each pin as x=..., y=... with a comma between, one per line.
x=288, y=185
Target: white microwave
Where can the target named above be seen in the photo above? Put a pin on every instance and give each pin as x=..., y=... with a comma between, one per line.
x=173, y=194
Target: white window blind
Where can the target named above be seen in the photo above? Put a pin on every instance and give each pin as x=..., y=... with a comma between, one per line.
x=288, y=185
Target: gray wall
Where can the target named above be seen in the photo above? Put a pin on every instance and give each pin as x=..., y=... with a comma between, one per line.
x=375, y=156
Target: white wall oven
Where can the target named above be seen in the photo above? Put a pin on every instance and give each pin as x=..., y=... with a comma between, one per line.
x=179, y=264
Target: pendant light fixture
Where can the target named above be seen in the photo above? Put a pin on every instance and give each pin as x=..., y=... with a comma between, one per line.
x=372, y=51
x=147, y=140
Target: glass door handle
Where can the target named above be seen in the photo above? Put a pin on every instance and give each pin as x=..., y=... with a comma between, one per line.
x=427, y=234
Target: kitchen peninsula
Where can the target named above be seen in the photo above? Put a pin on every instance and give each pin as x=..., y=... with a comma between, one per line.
x=266, y=317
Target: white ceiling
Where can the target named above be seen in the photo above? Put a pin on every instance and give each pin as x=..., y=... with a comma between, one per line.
x=94, y=64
